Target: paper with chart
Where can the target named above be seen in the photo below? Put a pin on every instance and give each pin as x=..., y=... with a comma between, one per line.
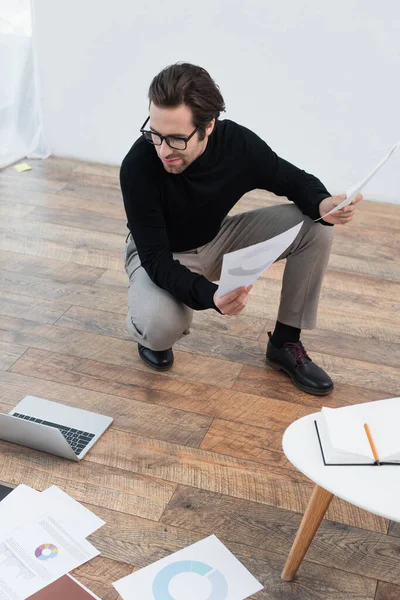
x=243, y=267
x=356, y=189
x=35, y=555
x=207, y=570
x=24, y=504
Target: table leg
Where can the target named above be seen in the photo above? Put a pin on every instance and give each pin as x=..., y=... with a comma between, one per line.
x=315, y=511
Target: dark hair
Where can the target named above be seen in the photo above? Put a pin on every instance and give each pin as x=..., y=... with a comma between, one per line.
x=183, y=83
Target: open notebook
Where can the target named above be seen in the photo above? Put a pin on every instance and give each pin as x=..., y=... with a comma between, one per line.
x=343, y=439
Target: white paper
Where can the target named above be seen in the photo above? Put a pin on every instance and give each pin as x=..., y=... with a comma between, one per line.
x=345, y=427
x=356, y=189
x=35, y=555
x=24, y=504
x=243, y=267
x=74, y=517
x=207, y=570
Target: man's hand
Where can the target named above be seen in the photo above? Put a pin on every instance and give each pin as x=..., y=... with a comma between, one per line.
x=233, y=303
x=343, y=215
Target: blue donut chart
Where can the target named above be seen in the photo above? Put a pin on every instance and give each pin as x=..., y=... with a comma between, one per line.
x=216, y=578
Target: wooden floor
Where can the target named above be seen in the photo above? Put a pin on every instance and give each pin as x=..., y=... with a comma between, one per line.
x=196, y=450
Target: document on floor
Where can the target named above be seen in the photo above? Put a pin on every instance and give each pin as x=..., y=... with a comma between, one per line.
x=24, y=504
x=244, y=266
x=358, y=187
x=65, y=588
x=207, y=570
x=36, y=554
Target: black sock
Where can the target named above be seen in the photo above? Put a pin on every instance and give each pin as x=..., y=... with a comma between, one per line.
x=284, y=333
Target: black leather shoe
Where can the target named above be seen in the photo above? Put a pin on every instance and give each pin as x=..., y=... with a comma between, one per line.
x=160, y=360
x=294, y=360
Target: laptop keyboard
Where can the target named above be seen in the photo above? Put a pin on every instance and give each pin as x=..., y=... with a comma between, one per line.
x=77, y=439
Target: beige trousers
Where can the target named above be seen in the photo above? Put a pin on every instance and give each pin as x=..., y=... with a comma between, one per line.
x=157, y=320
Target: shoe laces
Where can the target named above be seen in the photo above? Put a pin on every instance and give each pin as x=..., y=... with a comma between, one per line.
x=298, y=352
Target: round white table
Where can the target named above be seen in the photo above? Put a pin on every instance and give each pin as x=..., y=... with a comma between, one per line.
x=376, y=489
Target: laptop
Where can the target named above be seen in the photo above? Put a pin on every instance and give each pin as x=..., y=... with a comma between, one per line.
x=52, y=427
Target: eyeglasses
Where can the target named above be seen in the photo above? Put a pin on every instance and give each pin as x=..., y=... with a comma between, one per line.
x=174, y=142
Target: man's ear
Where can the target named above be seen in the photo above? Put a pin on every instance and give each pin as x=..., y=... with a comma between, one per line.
x=210, y=127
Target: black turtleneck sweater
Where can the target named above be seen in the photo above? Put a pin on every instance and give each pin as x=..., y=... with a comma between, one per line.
x=176, y=212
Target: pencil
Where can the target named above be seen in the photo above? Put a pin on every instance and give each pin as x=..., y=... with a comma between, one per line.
x=371, y=443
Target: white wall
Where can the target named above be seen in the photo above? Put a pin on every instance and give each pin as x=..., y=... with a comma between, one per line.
x=318, y=81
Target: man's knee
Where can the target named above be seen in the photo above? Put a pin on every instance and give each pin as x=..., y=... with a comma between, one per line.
x=322, y=235
x=161, y=330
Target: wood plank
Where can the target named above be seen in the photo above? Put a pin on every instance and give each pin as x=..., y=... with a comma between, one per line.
x=358, y=372
x=352, y=373
x=275, y=404
x=86, y=481
x=388, y=220
x=113, y=278
x=130, y=415
x=17, y=211
x=155, y=388
x=252, y=351
x=387, y=591
x=222, y=474
x=99, y=573
x=143, y=542
x=51, y=269
x=258, y=444
x=93, y=187
x=344, y=282
x=77, y=294
x=11, y=197
x=9, y=353
x=264, y=527
x=232, y=348
x=67, y=235
x=95, y=180
x=64, y=243
x=394, y=528
x=379, y=208
x=79, y=218
x=210, y=326
x=50, y=168
x=202, y=341
x=188, y=367
x=270, y=289
x=242, y=326
x=58, y=163
x=30, y=180
x=242, y=349
x=41, y=311
x=376, y=210
x=362, y=242
x=270, y=383
x=92, y=193
x=84, y=255
x=98, y=169
x=347, y=313
x=348, y=346
x=101, y=322
x=368, y=266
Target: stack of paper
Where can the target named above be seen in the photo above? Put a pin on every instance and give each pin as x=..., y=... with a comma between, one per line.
x=42, y=538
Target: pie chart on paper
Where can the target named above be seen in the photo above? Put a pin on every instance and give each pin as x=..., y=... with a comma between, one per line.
x=46, y=552
x=214, y=581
